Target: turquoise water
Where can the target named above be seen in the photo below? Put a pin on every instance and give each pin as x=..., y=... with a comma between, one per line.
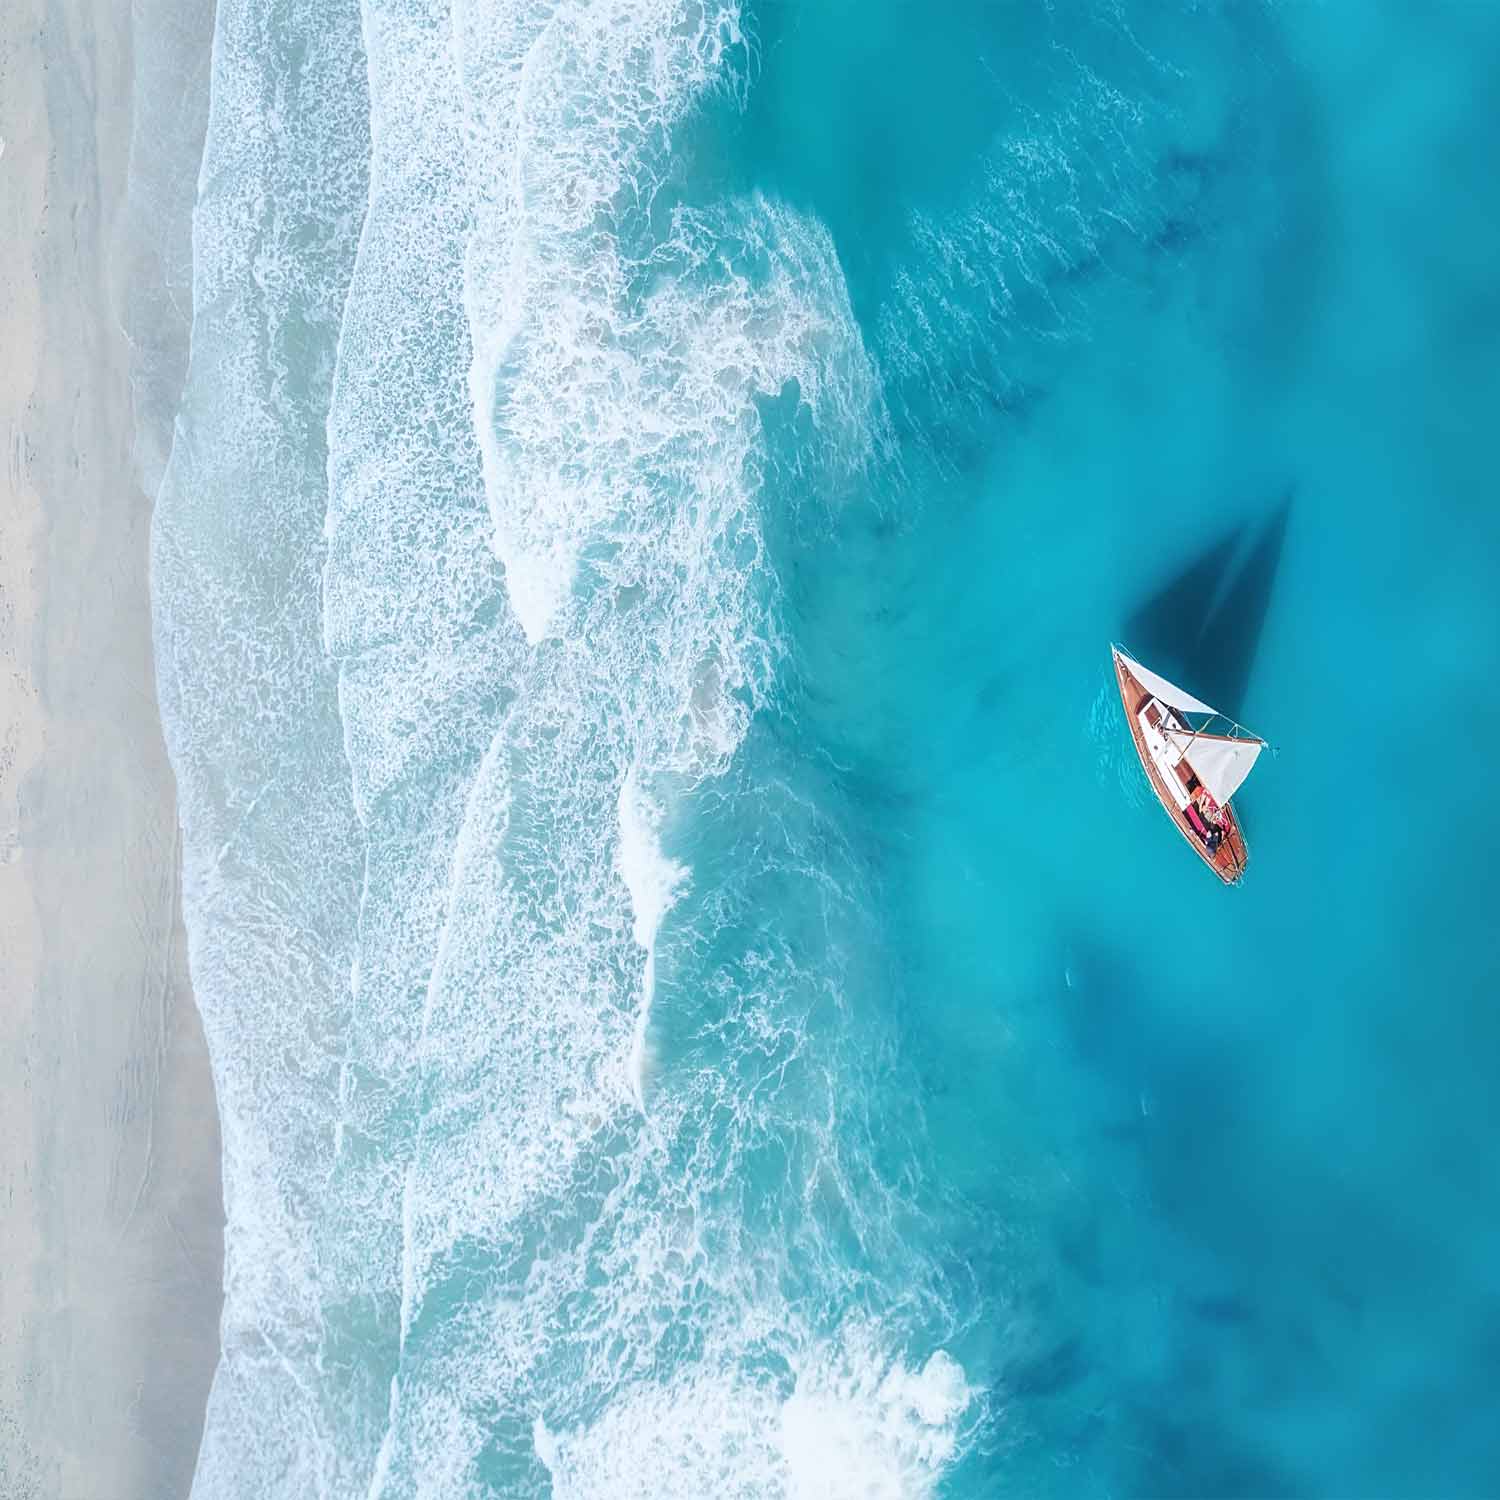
x=701, y=1000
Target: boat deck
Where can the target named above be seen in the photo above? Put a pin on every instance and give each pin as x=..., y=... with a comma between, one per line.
x=1229, y=860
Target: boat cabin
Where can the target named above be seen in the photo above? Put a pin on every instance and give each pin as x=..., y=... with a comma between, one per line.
x=1193, y=799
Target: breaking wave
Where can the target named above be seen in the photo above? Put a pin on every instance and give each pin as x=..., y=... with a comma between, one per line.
x=530, y=961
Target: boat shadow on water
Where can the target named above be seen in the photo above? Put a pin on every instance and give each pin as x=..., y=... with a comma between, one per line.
x=1203, y=626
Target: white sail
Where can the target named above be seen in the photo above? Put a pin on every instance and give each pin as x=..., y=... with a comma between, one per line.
x=1168, y=692
x=1220, y=761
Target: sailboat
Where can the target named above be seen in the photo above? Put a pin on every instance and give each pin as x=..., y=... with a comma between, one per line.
x=1195, y=758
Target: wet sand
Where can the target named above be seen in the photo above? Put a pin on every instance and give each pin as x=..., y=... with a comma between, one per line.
x=111, y=1232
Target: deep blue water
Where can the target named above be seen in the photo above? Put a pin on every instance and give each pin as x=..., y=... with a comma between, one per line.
x=701, y=997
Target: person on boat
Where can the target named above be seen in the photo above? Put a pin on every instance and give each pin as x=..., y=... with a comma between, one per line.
x=1213, y=818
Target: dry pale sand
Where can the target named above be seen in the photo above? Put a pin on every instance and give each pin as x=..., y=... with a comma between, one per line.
x=111, y=1233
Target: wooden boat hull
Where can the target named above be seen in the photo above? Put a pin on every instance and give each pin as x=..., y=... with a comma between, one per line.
x=1228, y=863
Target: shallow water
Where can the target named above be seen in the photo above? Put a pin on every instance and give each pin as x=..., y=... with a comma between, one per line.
x=700, y=998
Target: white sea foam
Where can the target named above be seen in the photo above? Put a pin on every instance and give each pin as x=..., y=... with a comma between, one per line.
x=842, y=1420
x=868, y=1428
x=652, y=879
x=567, y=129
x=451, y=1222
x=654, y=882
x=271, y=848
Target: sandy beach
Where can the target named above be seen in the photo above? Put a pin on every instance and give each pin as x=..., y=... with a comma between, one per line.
x=111, y=1236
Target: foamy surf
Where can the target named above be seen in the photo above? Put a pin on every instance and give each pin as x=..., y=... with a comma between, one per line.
x=532, y=621
x=654, y=882
x=840, y=1421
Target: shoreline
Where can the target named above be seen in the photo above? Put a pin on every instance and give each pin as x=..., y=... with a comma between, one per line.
x=109, y=1166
